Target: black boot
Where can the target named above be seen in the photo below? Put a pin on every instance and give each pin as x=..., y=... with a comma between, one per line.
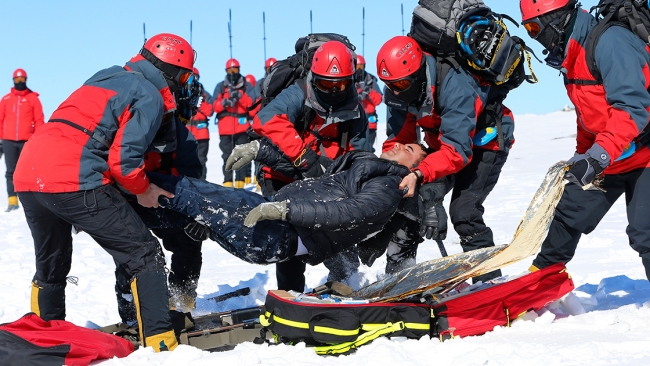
x=480, y=240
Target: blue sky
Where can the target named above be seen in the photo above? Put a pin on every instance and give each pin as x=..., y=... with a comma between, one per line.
x=62, y=43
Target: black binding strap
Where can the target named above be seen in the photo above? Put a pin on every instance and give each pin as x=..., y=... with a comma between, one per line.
x=97, y=137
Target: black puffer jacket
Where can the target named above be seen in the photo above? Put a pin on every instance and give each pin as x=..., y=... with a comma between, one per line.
x=353, y=201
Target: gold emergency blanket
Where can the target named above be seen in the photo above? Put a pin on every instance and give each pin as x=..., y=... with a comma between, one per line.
x=440, y=274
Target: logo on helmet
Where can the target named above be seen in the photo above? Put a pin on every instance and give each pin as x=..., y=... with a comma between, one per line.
x=334, y=70
x=404, y=50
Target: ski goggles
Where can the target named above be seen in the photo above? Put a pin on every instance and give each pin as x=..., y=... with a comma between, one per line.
x=328, y=85
x=232, y=70
x=400, y=85
x=534, y=27
x=20, y=79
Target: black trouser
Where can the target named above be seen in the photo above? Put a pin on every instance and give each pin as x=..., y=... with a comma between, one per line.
x=580, y=211
x=203, y=147
x=290, y=274
x=226, y=144
x=186, y=258
x=12, y=151
x=372, y=134
x=472, y=186
x=106, y=216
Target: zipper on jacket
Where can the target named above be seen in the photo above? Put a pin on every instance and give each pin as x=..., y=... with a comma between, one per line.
x=17, y=115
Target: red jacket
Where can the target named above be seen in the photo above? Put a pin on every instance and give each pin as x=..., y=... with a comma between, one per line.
x=371, y=100
x=232, y=120
x=21, y=114
x=122, y=111
x=200, y=122
x=611, y=114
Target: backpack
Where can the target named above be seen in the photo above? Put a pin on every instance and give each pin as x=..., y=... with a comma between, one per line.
x=285, y=72
x=633, y=15
x=467, y=32
x=630, y=14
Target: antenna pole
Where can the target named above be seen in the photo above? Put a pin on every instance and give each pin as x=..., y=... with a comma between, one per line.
x=363, y=32
x=264, y=29
x=230, y=30
x=402, y=19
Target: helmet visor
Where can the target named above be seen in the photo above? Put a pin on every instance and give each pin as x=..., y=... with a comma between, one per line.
x=329, y=85
x=232, y=70
x=20, y=79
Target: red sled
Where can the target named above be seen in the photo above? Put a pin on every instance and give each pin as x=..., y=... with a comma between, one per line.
x=478, y=312
x=31, y=340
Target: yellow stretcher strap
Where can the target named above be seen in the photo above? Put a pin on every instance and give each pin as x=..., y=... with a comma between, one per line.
x=361, y=340
x=334, y=331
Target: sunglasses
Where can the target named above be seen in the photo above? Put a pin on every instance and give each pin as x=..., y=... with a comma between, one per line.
x=328, y=85
x=232, y=70
x=20, y=79
x=534, y=27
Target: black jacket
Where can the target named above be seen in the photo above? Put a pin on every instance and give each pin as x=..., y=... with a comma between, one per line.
x=352, y=202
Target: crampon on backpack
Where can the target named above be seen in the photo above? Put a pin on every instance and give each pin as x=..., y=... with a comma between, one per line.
x=285, y=72
x=633, y=15
x=466, y=33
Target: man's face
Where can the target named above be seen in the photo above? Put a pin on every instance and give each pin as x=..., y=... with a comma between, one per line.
x=409, y=155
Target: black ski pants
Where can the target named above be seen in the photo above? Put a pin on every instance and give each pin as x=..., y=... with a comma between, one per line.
x=580, y=211
x=226, y=144
x=203, y=147
x=106, y=216
x=472, y=186
x=12, y=150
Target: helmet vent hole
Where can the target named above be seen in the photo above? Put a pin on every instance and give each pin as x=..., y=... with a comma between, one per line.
x=157, y=46
x=404, y=62
x=182, y=52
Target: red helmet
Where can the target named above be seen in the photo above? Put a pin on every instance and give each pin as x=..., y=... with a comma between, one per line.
x=251, y=79
x=534, y=8
x=361, y=60
x=401, y=56
x=333, y=59
x=270, y=62
x=171, y=49
x=232, y=63
x=196, y=72
x=20, y=72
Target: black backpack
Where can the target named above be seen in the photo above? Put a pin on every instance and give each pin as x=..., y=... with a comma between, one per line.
x=285, y=72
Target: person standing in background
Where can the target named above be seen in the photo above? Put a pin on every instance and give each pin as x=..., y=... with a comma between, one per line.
x=370, y=97
x=198, y=126
x=231, y=104
x=21, y=114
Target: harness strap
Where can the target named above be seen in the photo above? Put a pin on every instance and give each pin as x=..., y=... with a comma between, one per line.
x=97, y=137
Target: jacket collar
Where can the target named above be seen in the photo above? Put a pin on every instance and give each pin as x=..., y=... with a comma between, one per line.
x=21, y=93
x=583, y=24
x=351, y=110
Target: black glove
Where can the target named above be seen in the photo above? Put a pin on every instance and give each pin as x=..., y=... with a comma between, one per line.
x=235, y=95
x=434, y=216
x=197, y=231
x=228, y=102
x=583, y=171
x=309, y=164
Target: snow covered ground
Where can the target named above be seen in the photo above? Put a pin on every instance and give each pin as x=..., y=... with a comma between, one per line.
x=610, y=284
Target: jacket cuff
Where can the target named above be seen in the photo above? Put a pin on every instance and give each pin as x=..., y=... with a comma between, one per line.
x=598, y=153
